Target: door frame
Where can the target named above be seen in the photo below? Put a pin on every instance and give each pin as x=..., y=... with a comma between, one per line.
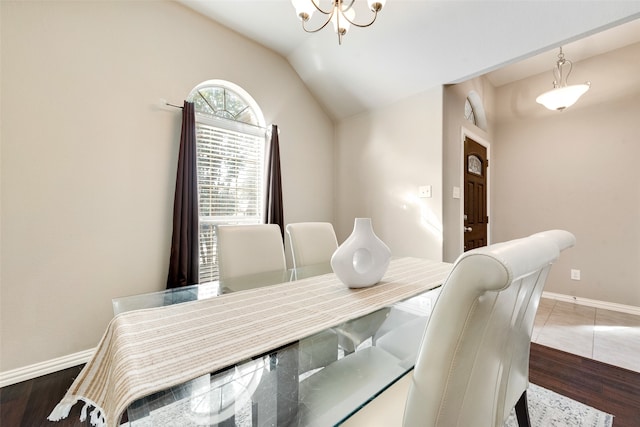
x=466, y=132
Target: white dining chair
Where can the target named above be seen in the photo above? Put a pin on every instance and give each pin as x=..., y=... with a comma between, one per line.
x=311, y=242
x=245, y=250
x=473, y=360
x=249, y=249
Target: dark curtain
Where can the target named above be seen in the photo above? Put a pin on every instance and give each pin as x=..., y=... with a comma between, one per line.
x=183, y=264
x=273, y=205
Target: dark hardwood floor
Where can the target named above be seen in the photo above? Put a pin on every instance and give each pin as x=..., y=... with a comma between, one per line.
x=29, y=403
x=608, y=388
x=605, y=387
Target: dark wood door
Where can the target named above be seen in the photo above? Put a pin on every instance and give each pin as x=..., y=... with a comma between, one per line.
x=475, y=195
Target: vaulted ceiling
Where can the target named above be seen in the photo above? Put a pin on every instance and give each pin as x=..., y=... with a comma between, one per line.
x=415, y=45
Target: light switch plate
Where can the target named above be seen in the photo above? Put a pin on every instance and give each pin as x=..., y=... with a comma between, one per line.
x=456, y=192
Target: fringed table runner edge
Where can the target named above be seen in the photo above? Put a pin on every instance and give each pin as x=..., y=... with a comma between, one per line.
x=137, y=353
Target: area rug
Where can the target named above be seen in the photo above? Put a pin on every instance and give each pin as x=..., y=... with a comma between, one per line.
x=546, y=409
x=549, y=409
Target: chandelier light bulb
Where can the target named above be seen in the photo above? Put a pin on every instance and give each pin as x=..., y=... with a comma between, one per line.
x=304, y=9
x=342, y=20
x=341, y=14
x=376, y=5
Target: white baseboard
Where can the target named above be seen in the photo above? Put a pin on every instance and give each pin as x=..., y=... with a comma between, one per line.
x=630, y=309
x=43, y=368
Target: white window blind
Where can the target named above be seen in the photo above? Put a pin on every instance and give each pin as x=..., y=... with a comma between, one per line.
x=230, y=141
x=230, y=176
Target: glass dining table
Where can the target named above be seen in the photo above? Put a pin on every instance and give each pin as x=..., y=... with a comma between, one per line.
x=320, y=380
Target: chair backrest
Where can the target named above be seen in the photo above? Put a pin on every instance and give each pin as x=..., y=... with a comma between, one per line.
x=472, y=366
x=311, y=242
x=249, y=249
x=519, y=373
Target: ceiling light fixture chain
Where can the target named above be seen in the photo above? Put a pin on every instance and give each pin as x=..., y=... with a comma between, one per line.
x=341, y=14
x=560, y=79
x=562, y=95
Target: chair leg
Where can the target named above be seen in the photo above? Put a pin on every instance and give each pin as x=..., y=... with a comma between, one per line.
x=522, y=411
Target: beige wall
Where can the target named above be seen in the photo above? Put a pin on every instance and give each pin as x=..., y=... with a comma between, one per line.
x=576, y=170
x=456, y=126
x=88, y=160
x=382, y=157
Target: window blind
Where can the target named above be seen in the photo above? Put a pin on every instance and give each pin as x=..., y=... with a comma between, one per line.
x=230, y=191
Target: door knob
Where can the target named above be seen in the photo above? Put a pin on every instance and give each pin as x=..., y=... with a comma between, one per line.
x=467, y=229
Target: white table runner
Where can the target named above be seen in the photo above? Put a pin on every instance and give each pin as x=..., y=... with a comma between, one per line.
x=146, y=351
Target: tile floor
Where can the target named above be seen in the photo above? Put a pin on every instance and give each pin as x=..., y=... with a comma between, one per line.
x=608, y=336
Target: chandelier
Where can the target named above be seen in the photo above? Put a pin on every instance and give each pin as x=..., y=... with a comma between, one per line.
x=562, y=96
x=341, y=14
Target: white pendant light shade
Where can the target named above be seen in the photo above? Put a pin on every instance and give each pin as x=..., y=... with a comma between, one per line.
x=562, y=97
x=304, y=9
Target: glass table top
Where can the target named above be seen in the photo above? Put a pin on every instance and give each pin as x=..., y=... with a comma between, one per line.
x=212, y=289
x=318, y=381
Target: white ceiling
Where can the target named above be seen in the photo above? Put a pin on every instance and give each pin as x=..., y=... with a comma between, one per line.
x=417, y=44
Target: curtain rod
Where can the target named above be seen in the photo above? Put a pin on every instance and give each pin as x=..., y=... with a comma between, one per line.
x=168, y=104
x=174, y=106
x=164, y=103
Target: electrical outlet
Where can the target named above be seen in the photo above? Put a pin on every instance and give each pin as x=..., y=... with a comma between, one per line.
x=575, y=274
x=424, y=191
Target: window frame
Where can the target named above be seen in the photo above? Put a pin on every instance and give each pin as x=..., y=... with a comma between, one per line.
x=230, y=131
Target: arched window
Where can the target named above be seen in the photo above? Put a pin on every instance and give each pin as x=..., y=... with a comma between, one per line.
x=230, y=140
x=468, y=111
x=474, y=111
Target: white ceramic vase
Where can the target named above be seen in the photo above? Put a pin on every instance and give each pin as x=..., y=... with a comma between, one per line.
x=363, y=258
